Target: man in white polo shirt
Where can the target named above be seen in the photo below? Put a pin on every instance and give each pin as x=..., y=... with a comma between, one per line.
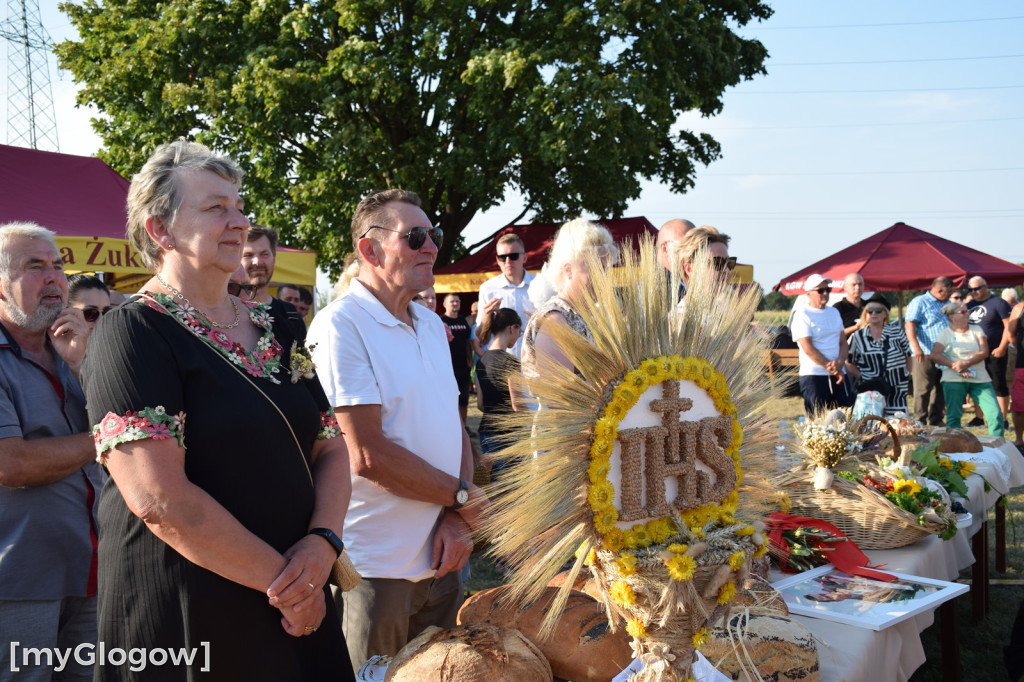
x=511, y=288
x=385, y=365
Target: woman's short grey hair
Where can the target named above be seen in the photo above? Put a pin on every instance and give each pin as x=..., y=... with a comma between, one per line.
x=951, y=307
x=10, y=231
x=574, y=238
x=154, y=190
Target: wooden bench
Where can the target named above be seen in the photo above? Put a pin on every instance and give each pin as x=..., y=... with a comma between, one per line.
x=781, y=362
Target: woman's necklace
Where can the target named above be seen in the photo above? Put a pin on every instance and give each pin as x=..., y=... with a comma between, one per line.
x=187, y=302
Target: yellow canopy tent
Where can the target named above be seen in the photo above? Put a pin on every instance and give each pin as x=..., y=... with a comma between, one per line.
x=117, y=258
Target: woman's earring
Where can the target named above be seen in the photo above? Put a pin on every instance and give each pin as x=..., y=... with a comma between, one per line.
x=170, y=246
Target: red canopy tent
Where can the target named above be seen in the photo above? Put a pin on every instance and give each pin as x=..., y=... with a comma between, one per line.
x=903, y=257
x=467, y=274
x=82, y=199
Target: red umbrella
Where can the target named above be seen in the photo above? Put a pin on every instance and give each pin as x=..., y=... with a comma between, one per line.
x=902, y=258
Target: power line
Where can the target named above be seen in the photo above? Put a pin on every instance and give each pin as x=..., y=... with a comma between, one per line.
x=852, y=92
x=759, y=27
x=875, y=172
x=896, y=61
x=872, y=125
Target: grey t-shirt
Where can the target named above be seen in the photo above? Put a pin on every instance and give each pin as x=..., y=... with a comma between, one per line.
x=47, y=532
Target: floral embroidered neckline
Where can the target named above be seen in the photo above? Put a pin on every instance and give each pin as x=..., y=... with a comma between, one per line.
x=263, y=361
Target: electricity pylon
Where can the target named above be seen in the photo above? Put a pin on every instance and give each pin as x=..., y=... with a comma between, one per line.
x=31, y=120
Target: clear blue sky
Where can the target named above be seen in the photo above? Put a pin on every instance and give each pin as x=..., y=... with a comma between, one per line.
x=871, y=113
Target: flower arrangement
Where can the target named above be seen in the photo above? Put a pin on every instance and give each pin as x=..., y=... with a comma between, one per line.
x=909, y=495
x=826, y=442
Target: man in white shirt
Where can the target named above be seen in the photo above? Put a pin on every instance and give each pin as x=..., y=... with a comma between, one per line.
x=385, y=365
x=510, y=289
x=818, y=332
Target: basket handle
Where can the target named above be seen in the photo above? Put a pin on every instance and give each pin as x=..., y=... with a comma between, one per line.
x=897, y=452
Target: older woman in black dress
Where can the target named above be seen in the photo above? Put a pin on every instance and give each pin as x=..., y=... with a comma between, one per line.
x=229, y=481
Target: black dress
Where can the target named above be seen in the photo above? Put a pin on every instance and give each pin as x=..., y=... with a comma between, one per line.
x=142, y=369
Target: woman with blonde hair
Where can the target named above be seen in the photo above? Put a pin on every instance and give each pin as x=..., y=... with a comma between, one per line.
x=569, y=275
x=703, y=239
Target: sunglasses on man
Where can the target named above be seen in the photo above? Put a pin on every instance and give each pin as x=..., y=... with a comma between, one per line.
x=236, y=289
x=719, y=263
x=973, y=289
x=416, y=236
x=91, y=313
x=510, y=256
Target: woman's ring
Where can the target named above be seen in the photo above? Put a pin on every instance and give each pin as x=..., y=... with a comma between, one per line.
x=312, y=586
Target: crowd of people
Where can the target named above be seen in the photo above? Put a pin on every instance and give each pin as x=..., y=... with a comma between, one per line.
x=953, y=349
x=183, y=469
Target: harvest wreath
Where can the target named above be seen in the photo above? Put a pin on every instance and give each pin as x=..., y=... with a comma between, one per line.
x=633, y=462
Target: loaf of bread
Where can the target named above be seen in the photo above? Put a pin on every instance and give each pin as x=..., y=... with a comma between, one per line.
x=581, y=578
x=780, y=648
x=582, y=647
x=956, y=440
x=469, y=653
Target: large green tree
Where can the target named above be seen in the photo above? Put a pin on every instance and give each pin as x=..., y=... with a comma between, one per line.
x=570, y=103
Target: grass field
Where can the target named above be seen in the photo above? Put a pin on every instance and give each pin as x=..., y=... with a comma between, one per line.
x=981, y=643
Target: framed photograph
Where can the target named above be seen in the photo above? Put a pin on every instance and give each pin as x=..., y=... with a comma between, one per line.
x=830, y=594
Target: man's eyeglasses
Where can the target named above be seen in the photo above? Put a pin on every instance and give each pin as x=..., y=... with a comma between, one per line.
x=719, y=263
x=824, y=291
x=872, y=311
x=417, y=236
x=236, y=289
x=510, y=256
x=91, y=313
x=973, y=289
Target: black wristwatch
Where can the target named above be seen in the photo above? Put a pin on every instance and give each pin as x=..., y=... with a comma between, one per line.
x=461, y=495
x=328, y=534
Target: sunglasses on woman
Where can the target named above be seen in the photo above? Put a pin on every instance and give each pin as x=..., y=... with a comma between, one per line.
x=872, y=311
x=236, y=289
x=417, y=236
x=91, y=313
x=719, y=263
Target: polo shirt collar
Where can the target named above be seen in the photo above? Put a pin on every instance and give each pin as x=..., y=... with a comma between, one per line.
x=371, y=304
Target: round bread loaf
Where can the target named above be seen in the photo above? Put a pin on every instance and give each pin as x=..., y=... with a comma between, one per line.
x=956, y=440
x=582, y=647
x=469, y=653
x=781, y=649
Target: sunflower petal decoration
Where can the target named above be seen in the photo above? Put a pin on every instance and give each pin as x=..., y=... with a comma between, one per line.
x=634, y=464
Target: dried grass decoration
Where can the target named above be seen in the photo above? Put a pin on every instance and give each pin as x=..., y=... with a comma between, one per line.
x=634, y=461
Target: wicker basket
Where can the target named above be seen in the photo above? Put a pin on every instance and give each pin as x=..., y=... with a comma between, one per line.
x=863, y=514
x=897, y=448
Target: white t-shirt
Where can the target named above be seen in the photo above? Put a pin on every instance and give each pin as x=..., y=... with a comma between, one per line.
x=824, y=327
x=514, y=296
x=364, y=355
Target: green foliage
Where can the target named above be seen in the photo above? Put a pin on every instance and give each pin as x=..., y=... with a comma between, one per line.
x=570, y=104
x=940, y=469
x=774, y=300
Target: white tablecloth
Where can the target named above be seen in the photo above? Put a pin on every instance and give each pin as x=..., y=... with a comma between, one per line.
x=851, y=654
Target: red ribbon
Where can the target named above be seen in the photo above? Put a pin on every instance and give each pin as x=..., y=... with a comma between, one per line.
x=846, y=556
